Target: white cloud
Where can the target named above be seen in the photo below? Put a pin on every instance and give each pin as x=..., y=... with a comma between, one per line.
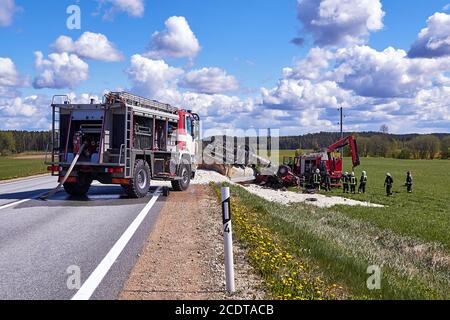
x=7, y=10
x=134, y=8
x=29, y=113
x=60, y=70
x=310, y=67
x=432, y=104
x=336, y=22
x=176, y=41
x=210, y=81
x=9, y=76
x=375, y=87
x=19, y=107
x=153, y=78
x=371, y=73
x=83, y=98
x=389, y=73
x=434, y=40
x=95, y=46
x=216, y=105
x=292, y=94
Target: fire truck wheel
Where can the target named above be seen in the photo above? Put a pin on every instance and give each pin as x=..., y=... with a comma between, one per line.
x=185, y=181
x=140, y=184
x=79, y=188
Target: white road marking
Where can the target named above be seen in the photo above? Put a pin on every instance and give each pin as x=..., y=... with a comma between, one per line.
x=96, y=277
x=15, y=203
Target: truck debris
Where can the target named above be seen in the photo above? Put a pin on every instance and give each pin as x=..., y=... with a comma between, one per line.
x=299, y=170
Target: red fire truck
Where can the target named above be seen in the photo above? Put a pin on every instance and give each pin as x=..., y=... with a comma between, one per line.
x=330, y=161
x=126, y=140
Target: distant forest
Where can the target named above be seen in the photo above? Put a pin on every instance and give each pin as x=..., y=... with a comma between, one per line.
x=373, y=144
x=376, y=144
x=22, y=141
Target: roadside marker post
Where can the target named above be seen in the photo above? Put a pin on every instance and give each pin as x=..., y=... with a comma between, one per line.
x=228, y=239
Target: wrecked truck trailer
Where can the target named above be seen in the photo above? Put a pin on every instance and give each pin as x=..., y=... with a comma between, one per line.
x=126, y=140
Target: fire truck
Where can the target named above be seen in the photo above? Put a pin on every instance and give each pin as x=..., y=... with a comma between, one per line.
x=126, y=140
x=329, y=161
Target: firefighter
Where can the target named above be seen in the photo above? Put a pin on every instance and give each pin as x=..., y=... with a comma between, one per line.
x=316, y=179
x=362, y=183
x=409, y=182
x=328, y=182
x=345, y=182
x=353, y=183
x=388, y=182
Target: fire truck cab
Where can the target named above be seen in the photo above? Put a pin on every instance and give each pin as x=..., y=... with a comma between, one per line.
x=126, y=139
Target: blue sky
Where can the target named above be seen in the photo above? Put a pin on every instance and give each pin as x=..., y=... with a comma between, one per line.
x=249, y=41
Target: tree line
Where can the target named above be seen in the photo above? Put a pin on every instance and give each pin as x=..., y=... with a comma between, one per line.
x=370, y=144
x=376, y=144
x=22, y=141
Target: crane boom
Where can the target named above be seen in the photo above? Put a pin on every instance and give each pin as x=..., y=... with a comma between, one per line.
x=351, y=142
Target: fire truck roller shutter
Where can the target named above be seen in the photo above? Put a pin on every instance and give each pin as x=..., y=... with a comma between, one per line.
x=118, y=130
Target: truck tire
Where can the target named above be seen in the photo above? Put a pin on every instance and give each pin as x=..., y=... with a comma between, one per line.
x=79, y=188
x=140, y=183
x=185, y=181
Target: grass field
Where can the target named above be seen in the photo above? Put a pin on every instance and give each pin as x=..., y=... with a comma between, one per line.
x=424, y=214
x=408, y=239
x=22, y=166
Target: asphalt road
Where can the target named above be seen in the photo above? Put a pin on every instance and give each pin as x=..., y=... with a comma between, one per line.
x=43, y=244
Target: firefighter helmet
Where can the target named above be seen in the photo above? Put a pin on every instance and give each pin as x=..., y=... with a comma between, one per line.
x=317, y=171
x=353, y=174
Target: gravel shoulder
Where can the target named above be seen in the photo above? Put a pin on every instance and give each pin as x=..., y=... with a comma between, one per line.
x=319, y=200
x=183, y=256
x=283, y=197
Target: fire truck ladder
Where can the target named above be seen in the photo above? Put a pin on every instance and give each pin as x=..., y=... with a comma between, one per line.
x=128, y=139
x=56, y=119
x=137, y=101
x=56, y=143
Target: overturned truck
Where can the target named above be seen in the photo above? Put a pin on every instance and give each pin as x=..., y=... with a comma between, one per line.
x=126, y=140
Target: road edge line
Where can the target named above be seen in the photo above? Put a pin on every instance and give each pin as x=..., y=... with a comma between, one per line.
x=95, y=278
x=15, y=203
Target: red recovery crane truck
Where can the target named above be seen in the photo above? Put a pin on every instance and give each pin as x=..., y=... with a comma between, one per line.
x=126, y=140
x=330, y=161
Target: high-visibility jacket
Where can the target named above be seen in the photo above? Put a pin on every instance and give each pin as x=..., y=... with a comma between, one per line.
x=316, y=178
x=363, y=179
x=353, y=181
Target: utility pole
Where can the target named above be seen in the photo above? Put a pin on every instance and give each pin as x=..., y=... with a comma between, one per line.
x=341, y=122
